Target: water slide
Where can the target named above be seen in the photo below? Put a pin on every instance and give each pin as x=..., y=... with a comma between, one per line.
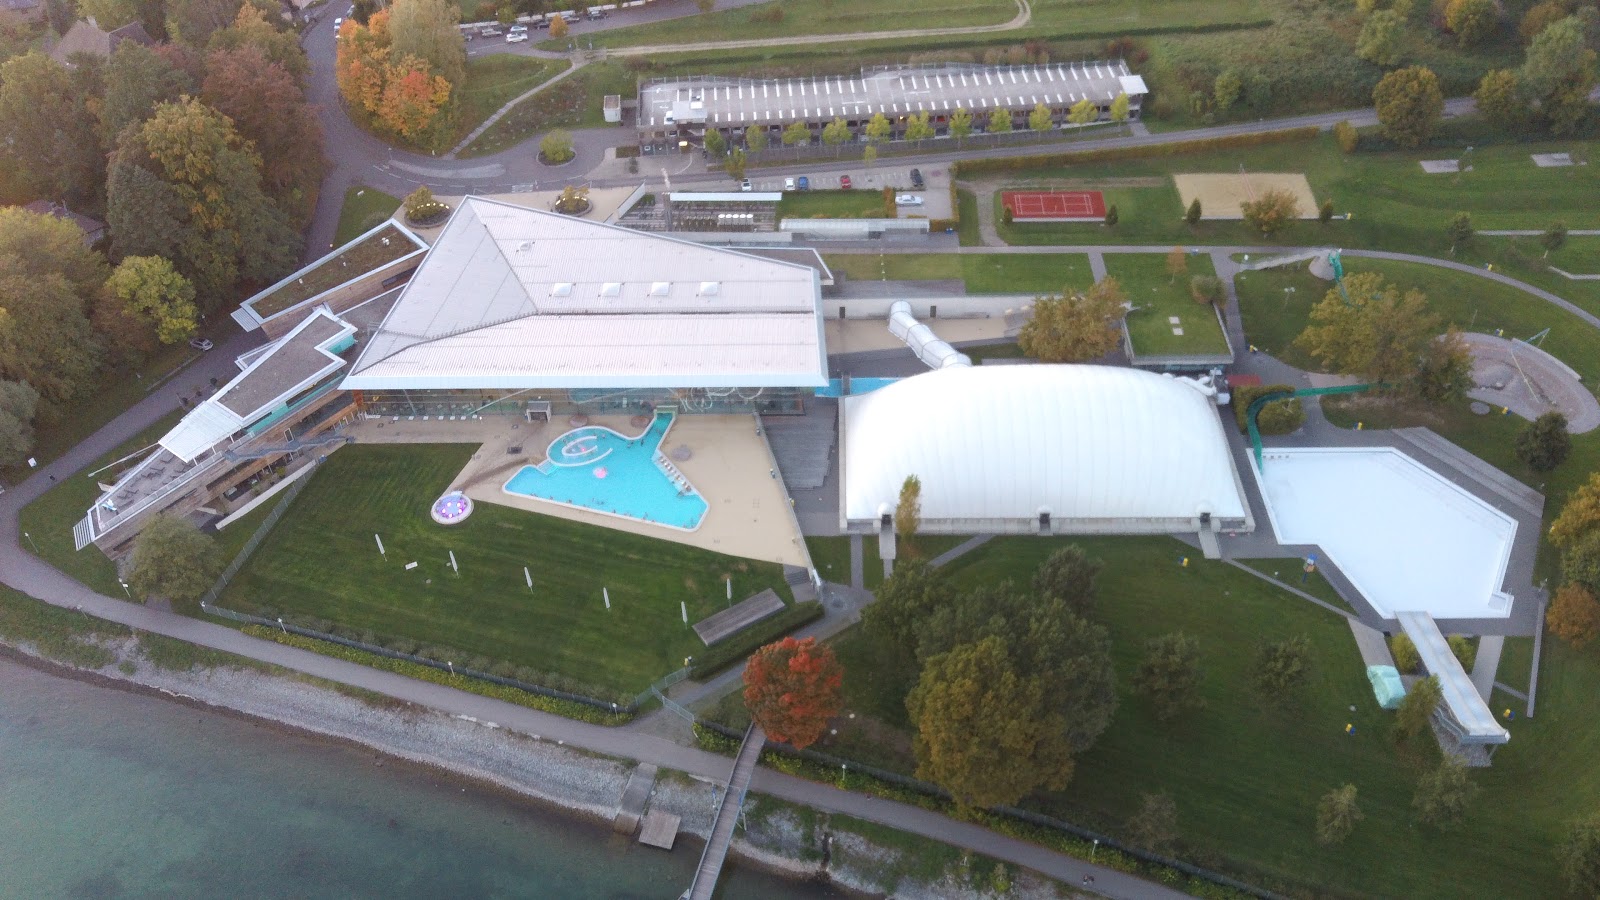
x=934, y=351
x=1469, y=716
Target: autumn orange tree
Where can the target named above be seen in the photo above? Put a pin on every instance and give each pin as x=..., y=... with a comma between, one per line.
x=792, y=689
x=1574, y=616
x=396, y=80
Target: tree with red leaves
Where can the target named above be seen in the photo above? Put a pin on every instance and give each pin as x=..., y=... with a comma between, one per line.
x=792, y=689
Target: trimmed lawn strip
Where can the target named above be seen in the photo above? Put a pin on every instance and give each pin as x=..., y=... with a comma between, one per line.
x=967, y=215
x=48, y=520
x=1157, y=296
x=1247, y=779
x=321, y=563
x=852, y=204
x=983, y=273
x=364, y=209
x=1516, y=664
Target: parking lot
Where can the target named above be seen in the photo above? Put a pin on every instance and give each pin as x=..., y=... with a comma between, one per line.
x=935, y=194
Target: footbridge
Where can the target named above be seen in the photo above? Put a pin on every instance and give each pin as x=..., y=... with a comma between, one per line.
x=744, y=766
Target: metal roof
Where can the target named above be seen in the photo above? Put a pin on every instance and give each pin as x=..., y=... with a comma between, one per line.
x=512, y=298
x=732, y=102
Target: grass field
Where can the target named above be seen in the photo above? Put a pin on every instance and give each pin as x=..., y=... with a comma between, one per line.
x=364, y=209
x=493, y=81
x=322, y=562
x=854, y=204
x=1157, y=297
x=573, y=102
x=1246, y=779
x=984, y=273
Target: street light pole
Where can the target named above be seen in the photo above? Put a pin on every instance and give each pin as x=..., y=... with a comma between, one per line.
x=31, y=543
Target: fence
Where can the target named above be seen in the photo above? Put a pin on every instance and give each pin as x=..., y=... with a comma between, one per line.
x=255, y=540
x=1021, y=815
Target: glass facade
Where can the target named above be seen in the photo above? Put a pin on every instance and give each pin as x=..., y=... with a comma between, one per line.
x=590, y=401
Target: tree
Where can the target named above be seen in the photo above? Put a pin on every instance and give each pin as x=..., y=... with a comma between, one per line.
x=1544, y=443
x=1379, y=42
x=797, y=133
x=18, y=403
x=1075, y=327
x=1580, y=515
x=1068, y=575
x=1226, y=89
x=412, y=99
x=918, y=128
x=960, y=124
x=985, y=731
x=1460, y=231
x=1207, y=289
x=756, y=139
x=1580, y=856
x=1177, y=264
x=836, y=132
x=362, y=10
x=1155, y=826
x=869, y=155
x=1554, y=238
x=556, y=147
x=878, y=128
x=1039, y=119
x=792, y=689
x=1083, y=112
x=1347, y=135
x=428, y=30
x=48, y=282
x=715, y=145
x=269, y=109
x=1539, y=17
x=1119, y=108
x=1112, y=217
x=1444, y=794
x=558, y=26
x=1444, y=368
x=1325, y=213
x=1416, y=710
x=908, y=511
x=1170, y=674
x=251, y=28
x=1558, y=58
x=421, y=206
x=1500, y=101
x=1574, y=615
x=48, y=136
x=1281, y=670
x=172, y=559
x=1406, y=659
x=194, y=22
x=1193, y=214
x=1377, y=335
x=1580, y=562
x=999, y=121
x=1409, y=104
x=1337, y=815
x=151, y=289
x=1462, y=648
x=736, y=163
x=137, y=78
x=1472, y=21
x=906, y=600
x=1271, y=212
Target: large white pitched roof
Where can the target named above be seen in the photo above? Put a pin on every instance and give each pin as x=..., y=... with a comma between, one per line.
x=511, y=297
x=1006, y=442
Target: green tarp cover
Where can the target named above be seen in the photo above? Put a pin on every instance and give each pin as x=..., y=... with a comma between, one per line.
x=1386, y=685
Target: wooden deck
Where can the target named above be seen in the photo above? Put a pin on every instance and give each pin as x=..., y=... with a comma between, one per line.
x=738, y=617
x=660, y=830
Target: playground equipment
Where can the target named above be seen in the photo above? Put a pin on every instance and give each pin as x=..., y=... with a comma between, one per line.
x=1260, y=402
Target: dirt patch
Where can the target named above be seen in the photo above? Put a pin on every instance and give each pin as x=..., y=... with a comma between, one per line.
x=1220, y=194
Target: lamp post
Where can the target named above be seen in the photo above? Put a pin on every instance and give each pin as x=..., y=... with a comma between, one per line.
x=1093, y=850
x=125, y=589
x=31, y=543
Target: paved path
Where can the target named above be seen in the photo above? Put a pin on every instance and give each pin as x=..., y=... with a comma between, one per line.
x=500, y=113
x=1020, y=20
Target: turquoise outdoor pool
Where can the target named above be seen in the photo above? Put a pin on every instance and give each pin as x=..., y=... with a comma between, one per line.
x=858, y=386
x=598, y=469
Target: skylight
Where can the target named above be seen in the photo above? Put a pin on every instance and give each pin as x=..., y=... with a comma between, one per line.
x=710, y=288
x=611, y=289
x=561, y=289
x=660, y=288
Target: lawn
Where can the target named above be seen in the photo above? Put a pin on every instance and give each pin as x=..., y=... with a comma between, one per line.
x=573, y=102
x=983, y=273
x=321, y=562
x=967, y=216
x=495, y=80
x=48, y=520
x=1246, y=779
x=1157, y=297
x=1392, y=204
x=1290, y=572
x=364, y=209
x=854, y=204
x=831, y=555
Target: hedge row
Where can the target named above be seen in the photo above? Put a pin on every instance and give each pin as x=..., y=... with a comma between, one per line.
x=1011, y=825
x=966, y=167
x=567, y=708
x=737, y=648
x=1278, y=417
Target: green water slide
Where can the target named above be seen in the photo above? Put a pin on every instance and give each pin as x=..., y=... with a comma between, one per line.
x=1260, y=402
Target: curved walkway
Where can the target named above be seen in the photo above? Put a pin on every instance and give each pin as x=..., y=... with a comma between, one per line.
x=500, y=113
x=1020, y=20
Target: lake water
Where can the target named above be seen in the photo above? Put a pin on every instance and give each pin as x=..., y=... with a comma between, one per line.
x=107, y=794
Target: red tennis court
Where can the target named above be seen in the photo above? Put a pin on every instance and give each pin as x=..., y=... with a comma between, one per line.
x=1054, y=206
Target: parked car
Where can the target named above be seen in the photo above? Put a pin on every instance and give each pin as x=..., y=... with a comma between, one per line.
x=907, y=200
x=844, y=182
x=518, y=29
x=917, y=183
x=489, y=31
x=201, y=344
x=336, y=23
x=745, y=185
x=788, y=184
x=516, y=37
x=805, y=183
x=596, y=15
x=543, y=24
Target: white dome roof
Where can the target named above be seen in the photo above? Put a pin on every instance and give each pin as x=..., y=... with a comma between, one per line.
x=1078, y=441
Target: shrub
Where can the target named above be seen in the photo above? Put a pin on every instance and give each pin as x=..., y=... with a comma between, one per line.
x=1278, y=417
x=735, y=649
x=1544, y=443
x=1207, y=289
x=421, y=208
x=556, y=147
x=1348, y=137
x=1406, y=659
x=1466, y=652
